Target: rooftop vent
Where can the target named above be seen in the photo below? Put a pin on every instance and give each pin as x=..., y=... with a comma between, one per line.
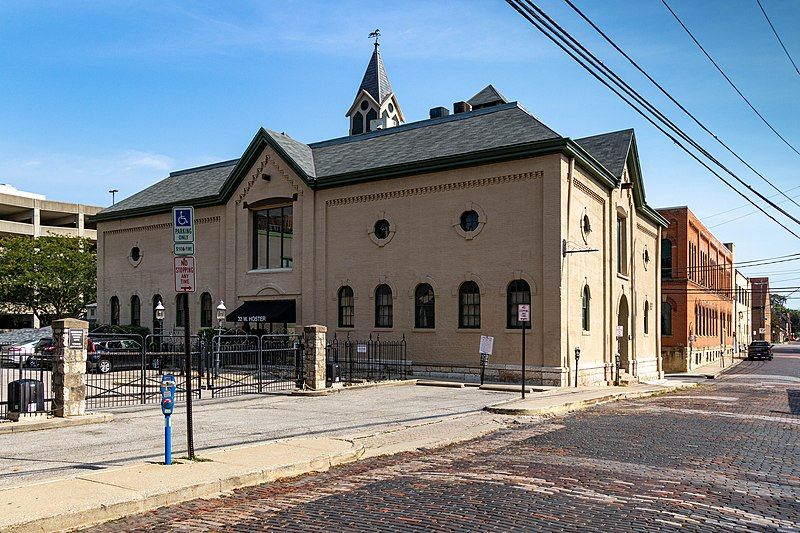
x=461, y=107
x=439, y=112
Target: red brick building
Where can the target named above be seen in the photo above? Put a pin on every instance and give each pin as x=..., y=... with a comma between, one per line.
x=696, y=293
x=762, y=310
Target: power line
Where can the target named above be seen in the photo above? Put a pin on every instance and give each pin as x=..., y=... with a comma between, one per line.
x=778, y=36
x=674, y=101
x=586, y=55
x=735, y=88
x=746, y=214
x=743, y=205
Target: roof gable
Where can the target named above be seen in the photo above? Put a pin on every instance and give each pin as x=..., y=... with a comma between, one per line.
x=610, y=149
x=487, y=96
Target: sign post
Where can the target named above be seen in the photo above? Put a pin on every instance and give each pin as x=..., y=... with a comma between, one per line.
x=487, y=345
x=523, y=317
x=185, y=281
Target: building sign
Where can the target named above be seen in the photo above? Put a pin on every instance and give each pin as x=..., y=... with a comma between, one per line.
x=182, y=224
x=361, y=348
x=184, y=274
x=524, y=312
x=487, y=344
x=76, y=340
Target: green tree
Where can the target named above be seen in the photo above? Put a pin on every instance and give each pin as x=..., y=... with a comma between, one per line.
x=54, y=276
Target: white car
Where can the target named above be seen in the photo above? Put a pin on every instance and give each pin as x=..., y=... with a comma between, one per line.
x=18, y=352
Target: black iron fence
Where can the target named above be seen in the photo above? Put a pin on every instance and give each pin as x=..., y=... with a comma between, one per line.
x=126, y=369
x=247, y=364
x=365, y=360
x=25, y=364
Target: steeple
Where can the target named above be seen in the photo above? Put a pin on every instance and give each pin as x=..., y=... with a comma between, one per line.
x=375, y=105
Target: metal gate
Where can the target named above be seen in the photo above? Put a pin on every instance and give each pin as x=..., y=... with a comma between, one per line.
x=123, y=369
x=16, y=365
x=247, y=364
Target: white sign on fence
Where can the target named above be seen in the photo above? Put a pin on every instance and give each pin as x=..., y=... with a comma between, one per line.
x=184, y=273
x=620, y=331
x=361, y=348
x=487, y=344
x=524, y=312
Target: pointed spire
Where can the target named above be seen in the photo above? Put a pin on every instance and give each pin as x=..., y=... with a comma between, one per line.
x=376, y=81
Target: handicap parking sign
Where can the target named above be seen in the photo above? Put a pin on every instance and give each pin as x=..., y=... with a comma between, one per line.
x=183, y=224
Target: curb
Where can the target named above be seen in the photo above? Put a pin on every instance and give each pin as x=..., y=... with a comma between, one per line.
x=202, y=489
x=569, y=407
x=53, y=423
x=359, y=386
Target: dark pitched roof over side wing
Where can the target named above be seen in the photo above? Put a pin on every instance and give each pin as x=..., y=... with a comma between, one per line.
x=463, y=133
x=299, y=152
x=610, y=149
x=486, y=96
x=181, y=185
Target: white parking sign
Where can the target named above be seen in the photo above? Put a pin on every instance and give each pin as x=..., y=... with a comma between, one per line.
x=183, y=224
x=524, y=312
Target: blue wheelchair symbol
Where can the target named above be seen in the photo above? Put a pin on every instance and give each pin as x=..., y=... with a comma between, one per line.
x=183, y=218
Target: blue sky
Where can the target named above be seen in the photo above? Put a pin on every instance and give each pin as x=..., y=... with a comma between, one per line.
x=115, y=94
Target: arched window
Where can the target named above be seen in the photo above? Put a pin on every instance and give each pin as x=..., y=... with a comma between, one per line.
x=646, y=317
x=157, y=327
x=666, y=318
x=424, y=307
x=469, y=305
x=666, y=258
x=371, y=115
x=383, y=306
x=586, y=310
x=346, y=307
x=136, y=311
x=206, y=311
x=114, y=311
x=358, y=123
x=517, y=292
x=180, y=317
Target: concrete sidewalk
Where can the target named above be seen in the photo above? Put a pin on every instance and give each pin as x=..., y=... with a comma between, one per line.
x=710, y=370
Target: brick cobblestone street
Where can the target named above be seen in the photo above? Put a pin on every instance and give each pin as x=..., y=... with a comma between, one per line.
x=720, y=456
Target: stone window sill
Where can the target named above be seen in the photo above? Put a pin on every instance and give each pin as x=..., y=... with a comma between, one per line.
x=268, y=270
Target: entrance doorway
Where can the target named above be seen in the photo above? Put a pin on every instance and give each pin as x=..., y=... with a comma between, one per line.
x=622, y=342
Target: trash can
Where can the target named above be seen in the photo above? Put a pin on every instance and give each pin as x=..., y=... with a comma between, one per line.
x=332, y=372
x=26, y=396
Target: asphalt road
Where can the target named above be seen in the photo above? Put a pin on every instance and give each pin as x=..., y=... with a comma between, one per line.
x=723, y=456
x=137, y=433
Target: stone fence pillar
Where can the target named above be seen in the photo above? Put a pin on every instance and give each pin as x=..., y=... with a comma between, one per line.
x=314, y=357
x=69, y=368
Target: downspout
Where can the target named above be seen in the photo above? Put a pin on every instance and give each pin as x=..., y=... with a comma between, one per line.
x=570, y=369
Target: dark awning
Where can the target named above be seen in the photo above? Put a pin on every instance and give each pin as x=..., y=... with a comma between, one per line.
x=276, y=311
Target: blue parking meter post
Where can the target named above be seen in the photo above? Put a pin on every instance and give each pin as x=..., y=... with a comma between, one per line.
x=168, y=385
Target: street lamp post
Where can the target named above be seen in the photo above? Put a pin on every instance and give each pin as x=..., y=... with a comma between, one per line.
x=160, y=319
x=221, y=311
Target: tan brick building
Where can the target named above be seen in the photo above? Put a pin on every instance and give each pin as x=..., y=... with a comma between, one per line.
x=697, y=293
x=434, y=230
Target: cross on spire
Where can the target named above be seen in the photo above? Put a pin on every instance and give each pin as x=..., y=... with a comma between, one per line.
x=375, y=35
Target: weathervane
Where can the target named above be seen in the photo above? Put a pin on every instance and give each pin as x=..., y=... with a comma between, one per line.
x=375, y=35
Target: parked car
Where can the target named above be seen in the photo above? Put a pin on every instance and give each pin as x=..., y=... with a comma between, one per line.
x=16, y=353
x=760, y=350
x=43, y=354
x=117, y=354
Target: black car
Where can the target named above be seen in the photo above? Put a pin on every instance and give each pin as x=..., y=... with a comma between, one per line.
x=760, y=350
x=118, y=354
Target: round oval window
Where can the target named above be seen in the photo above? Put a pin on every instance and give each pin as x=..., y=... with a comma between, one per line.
x=469, y=220
x=382, y=229
x=136, y=254
x=390, y=107
x=364, y=105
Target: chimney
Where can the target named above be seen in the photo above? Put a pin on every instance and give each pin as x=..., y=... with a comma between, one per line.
x=439, y=112
x=461, y=107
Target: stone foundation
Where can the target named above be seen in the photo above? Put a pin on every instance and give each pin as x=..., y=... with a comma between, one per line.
x=685, y=359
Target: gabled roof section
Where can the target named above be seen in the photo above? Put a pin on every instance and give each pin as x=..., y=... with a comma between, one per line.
x=376, y=81
x=192, y=183
x=610, y=149
x=488, y=96
x=454, y=135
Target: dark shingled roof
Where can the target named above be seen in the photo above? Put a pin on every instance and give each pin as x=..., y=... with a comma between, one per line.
x=376, y=81
x=463, y=133
x=610, y=149
x=300, y=152
x=179, y=186
x=487, y=96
